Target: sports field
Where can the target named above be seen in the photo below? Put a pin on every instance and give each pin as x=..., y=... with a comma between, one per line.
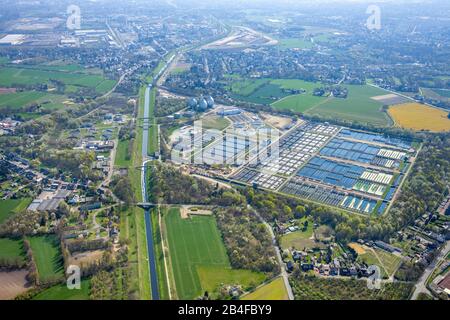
x=417, y=116
x=274, y=290
x=11, y=250
x=12, y=206
x=358, y=106
x=60, y=292
x=198, y=257
x=48, y=258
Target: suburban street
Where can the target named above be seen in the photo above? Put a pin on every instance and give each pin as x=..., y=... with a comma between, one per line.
x=421, y=285
x=284, y=273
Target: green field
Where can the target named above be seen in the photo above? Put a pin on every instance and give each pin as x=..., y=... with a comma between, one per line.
x=387, y=262
x=247, y=87
x=266, y=93
x=211, y=277
x=270, y=91
x=357, y=107
x=442, y=92
x=12, y=75
x=120, y=160
x=47, y=101
x=198, y=257
x=12, y=206
x=19, y=99
x=274, y=290
x=299, y=239
x=159, y=256
x=295, y=43
x=60, y=292
x=48, y=258
x=215, y=122
x=299, y=102
x=11, y=249
x=105, y=86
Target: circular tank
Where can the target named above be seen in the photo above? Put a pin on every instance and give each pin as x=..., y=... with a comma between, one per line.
x=192, y=103
x=210, y=102
x=203, y=105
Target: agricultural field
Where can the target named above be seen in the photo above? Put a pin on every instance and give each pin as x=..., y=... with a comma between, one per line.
x=48, y=258
x=270, y=91
x=358, y=106
x=12, y=206
x=46, y=101
x=418, y=117
x=61, y=292
x=436, y=94
x=105, y=86
x=247, y=87
x=442, y=92
x=291, y=43
x=274, y=290
x=11, y=250
x=69, y=75
x=298, y=102
x=198, y=257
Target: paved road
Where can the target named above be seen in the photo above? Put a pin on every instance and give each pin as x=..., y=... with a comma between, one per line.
x=421, y=284
x=284, y=273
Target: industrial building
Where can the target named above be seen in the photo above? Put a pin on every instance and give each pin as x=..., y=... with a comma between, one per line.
x=229, y=111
